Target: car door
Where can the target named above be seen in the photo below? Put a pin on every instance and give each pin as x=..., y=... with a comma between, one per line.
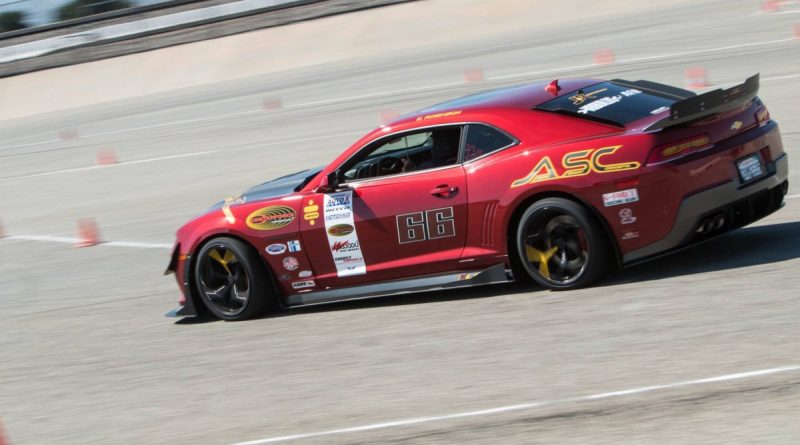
x=406, y=220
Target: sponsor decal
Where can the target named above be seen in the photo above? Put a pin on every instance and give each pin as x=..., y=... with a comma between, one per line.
x=342, y=234
x=304, y=274
x=270, y=218
x=290, y=263
x=345, y=246
x=626, y=216
x=340, y=229
x=303, y=284
x=603, y=102
x=630, y=235
x=311, y=212
x=438, y=115
x=659, y=110
x=335, y=216
x=285, y=277
x=581, y=97
x=276, y=249
x=576, y=163
x=427, y=225
x=621, y=197
x=294, y=246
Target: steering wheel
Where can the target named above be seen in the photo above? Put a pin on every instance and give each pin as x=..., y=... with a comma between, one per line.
x=390, y=165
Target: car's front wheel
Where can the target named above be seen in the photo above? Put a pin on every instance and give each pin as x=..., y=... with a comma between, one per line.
x=232, y=280
x=560, y=246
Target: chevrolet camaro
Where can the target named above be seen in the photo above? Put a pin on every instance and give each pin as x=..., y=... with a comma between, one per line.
x=550, y=183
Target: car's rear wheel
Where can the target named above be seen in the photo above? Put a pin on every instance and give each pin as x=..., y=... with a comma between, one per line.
x=560, y=246
x=232, y=281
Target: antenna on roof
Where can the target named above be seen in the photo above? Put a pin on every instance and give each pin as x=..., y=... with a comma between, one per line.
x=553, y=87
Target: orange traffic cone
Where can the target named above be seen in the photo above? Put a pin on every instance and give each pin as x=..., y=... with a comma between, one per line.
x=106, y=157
x=771, y=6
x=473, y=75
x=3, y=438
x=271, y=104
x=604, y=57
x=87, y=233
x=696, y=77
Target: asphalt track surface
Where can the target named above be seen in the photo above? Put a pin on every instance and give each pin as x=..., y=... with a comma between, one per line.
x=88, y=358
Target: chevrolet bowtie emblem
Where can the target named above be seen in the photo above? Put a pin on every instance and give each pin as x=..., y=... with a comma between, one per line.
x=736, y=125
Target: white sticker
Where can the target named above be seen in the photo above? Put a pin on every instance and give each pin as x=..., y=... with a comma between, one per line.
x=626, y=216
x=659, y=110
x=276, y=249
x=304, y=274
x=630, y=235
x=621, y=197
x=290, y=263
x=294, y=246
x=303, y=284
x=342, y=236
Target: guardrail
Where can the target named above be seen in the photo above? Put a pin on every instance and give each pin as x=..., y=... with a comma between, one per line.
x=133, y=10
x=143, y=27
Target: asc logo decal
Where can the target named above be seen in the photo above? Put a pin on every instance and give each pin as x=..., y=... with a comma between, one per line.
x=341, y=230
x=576, y=163
x=270, y=218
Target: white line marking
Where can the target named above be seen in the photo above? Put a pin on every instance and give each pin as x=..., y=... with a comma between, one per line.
x=70, y=240
x=316, y=138
x=640, y=59
x=170, y=124
x=379, y=94
x=100, y=167
x=145, y=127
x=793, y=196
x=417, y=90
x=525, y=406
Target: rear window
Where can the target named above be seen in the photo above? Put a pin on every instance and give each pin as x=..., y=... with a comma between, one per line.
x=609, y=102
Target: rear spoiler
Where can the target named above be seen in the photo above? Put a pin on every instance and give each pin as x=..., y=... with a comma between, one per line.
x=706, y=104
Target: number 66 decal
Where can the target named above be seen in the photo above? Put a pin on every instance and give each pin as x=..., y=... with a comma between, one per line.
x=427, y=225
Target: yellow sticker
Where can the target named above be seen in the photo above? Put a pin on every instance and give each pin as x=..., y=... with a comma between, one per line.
x=438, y=115
x=311, y=212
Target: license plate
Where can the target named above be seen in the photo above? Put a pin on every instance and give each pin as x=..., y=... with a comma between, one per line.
x=750, y=167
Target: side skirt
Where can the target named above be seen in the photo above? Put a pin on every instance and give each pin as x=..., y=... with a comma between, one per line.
x=492, y=275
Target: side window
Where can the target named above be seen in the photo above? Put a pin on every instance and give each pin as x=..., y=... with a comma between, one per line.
x=483, y=139
x=420, y=150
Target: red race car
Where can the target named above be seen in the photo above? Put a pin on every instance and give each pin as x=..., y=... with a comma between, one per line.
x=550, y=183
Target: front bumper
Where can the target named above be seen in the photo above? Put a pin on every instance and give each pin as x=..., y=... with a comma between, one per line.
x=739, y=205
x=178, y=265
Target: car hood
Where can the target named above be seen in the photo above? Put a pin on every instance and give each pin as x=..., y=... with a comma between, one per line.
x=270, y=189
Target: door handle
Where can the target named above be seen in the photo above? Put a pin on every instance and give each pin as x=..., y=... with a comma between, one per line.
x=443, y=190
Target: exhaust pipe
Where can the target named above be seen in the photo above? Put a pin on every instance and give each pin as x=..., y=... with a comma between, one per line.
x=719, y=222
x=711, y=224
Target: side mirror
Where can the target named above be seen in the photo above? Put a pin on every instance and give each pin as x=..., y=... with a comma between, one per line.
x=329, y=183
x=333, y=179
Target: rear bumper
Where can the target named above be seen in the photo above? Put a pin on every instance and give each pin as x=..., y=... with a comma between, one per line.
x=738, y=205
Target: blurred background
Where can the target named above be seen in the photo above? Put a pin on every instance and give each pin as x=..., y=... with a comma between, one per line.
x=122, y=119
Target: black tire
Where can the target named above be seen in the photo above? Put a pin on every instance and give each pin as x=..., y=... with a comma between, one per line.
x=232, y=280
x=559, y=245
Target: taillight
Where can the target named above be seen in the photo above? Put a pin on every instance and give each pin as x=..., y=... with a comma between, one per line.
x=762, y=116
x=678, y=149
